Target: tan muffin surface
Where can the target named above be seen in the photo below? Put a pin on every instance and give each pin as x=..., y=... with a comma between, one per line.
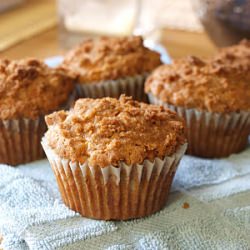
x=29, y=88
x=235, y=57
x=106, y=131
x=193, y=83
x=110, y=58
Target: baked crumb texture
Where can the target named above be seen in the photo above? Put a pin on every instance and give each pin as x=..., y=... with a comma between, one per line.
x=107, y=131
x=29, y=88
x=236, y=57
x=110, y=58
x=208, y=86
x=185, y=205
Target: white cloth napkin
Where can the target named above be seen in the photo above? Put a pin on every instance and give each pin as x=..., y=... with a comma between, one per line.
x=32, y=215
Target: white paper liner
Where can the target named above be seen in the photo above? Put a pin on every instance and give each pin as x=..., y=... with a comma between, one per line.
x=122, y=192
x=130, y=86
x=212, y=134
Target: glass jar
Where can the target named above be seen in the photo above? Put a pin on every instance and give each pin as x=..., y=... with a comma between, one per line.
x=226, y=21
x=81, y=19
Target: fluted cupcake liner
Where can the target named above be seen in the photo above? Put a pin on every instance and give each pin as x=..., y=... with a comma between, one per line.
x=130, y=86
x=212, y=135
x=20, y=139
x=71, y=100
x=114, y=193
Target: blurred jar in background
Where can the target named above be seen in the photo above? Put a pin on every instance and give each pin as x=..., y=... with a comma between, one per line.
x=149, y=20
x=226, y=21
x=156, y=17
x=81, y=19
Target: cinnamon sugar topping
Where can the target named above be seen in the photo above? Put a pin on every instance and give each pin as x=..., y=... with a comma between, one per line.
x=194, y=83
x=236, y=58
x=29, y=88
x=107, y=131
x=110, y=58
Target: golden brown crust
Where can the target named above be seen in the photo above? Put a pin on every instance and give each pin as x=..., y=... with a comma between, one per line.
x=194, y=83
x=29, y=88
x=110, y=58
x=236, y=57
x=106, y=131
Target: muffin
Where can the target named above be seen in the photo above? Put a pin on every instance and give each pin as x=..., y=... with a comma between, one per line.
x=114, y=158
x=214, y=100
x=110, y=66
x=236, y=57
x=28, y=90
x=238, y=54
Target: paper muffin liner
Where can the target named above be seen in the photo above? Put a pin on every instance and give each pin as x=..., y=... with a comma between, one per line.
x=130, y=86
x=114, y=193
x=212, y=135
x=20, y=139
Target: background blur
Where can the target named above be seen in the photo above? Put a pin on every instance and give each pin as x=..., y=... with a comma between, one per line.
x=183, y=26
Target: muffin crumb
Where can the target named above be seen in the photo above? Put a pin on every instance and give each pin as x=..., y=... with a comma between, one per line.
x=185, y=205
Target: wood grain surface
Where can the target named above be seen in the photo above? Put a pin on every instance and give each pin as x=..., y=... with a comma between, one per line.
x=25, y=21
x=178, y=43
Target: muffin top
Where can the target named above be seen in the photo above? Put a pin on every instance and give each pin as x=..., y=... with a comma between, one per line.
x=107, y=131
x=235, y=57
x=29, y=88
x=194, y=83
x=110, y=58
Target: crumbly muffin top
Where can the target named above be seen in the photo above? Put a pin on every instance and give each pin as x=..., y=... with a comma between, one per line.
x=110, y=58
x=235, y=57
x=194, y=83
x=107, y=131
x=29, y=88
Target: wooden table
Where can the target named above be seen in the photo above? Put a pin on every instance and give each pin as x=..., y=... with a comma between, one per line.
x=36, y=19
x=178, y=43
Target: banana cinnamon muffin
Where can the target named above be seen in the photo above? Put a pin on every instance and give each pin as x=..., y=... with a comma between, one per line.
x=110, y=66
x=214, y=101
x=114, y=159
x=29, y=89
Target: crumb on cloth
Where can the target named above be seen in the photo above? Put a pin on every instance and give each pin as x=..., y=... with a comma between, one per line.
x=185, y=205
